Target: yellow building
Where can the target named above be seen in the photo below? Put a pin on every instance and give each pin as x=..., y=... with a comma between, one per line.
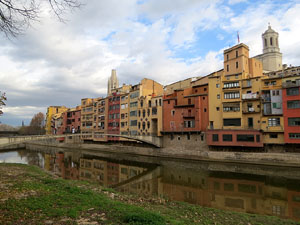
x=234, y=100
x=50, y=112
x=272, y=122
x=101, y=107
x=88, y=120
x=146, y=88
x=150, y=115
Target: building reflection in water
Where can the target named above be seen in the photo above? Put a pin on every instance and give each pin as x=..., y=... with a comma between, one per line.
x=249, y=193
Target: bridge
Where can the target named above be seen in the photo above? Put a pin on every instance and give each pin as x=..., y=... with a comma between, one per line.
x=15, y=142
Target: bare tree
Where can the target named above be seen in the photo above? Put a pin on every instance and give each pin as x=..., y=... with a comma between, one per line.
x=37, y=125
x=2, y=101
x=16, y=16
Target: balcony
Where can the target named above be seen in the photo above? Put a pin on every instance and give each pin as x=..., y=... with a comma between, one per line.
x=295, y=83
x=251, y=110
x=266, y=98
x=250, y=96
x=188, y=114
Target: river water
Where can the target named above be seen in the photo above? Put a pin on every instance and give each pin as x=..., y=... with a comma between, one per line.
x=236, y=187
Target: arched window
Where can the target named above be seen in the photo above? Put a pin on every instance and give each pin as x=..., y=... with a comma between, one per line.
x=266, y=42
x=271, y=41
x=144, y=125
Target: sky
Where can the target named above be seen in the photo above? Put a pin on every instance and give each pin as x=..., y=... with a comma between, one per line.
x=56, y=63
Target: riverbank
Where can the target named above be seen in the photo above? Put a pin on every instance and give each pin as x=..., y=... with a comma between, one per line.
x=259, y=158
x=28, y=195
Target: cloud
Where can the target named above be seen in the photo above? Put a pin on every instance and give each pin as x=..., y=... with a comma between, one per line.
x=233, y=2
x=58, y=64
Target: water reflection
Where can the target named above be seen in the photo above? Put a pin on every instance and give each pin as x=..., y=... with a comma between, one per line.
x=197, y=183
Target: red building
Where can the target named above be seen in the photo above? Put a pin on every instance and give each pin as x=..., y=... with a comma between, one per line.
x=113, y=116
x=71, y=120
x=291, y=109
x=186, y=111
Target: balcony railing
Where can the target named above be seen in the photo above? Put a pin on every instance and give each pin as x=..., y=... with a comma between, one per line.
x=250, y=96
x=291, y=84
x=251, y=110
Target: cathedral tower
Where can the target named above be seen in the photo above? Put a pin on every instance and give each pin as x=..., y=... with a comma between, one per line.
x=113, y=82
x=271, y=57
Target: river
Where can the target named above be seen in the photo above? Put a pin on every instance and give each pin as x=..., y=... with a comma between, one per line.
x=254, y=189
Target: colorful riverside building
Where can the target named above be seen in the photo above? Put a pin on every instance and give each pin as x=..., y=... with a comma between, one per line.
x=71, y=120
x=272, y=123
x=145, y=97
x=51, y=110
x=185, y=114
x=291, y=105
x=234, y=97
x=88, y=120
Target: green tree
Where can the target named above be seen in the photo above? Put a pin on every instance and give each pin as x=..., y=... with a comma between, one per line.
x=16, y=16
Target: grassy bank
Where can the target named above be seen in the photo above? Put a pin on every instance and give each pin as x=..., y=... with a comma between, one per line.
x=29, y=195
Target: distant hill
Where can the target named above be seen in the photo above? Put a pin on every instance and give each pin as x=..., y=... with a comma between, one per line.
x=5, y=127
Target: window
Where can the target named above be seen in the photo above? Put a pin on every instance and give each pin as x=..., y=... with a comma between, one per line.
x=232, y=122
x=233, y=108
x=236, y=64
x=154, y=111
x=231, y=95
x=266, y=43
x=227, y=67
x=257, y=138
x=173, y=112
x=215, y=137
x=273, y=122
x=218, y=96
x=231, y=85
x=189, y=123
x=294, y=135
x=159, y=102
x=236, y=53
x=245, y=138
x=276, y=105
x=133, y=104
x=218, y=108
x=133, y=113
x=227, y=137
x=273, y=135
x=227, y=56
x=188, y=137
x=134, y=95
x=123, y=106
x=294, y=121
x=133, y=122
x=217, y=85
x=292, y=91
x=293, y=104
x=271, y=41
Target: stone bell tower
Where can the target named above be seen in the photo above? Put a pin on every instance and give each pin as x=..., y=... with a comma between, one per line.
x=271, y=57
x=113, y=82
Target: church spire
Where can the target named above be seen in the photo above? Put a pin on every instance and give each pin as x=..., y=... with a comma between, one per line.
x=113, y=82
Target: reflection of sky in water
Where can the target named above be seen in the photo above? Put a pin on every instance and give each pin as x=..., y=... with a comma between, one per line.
x=12, y=157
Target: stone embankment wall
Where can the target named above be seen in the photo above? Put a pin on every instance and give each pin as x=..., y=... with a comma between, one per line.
x=273, y=159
